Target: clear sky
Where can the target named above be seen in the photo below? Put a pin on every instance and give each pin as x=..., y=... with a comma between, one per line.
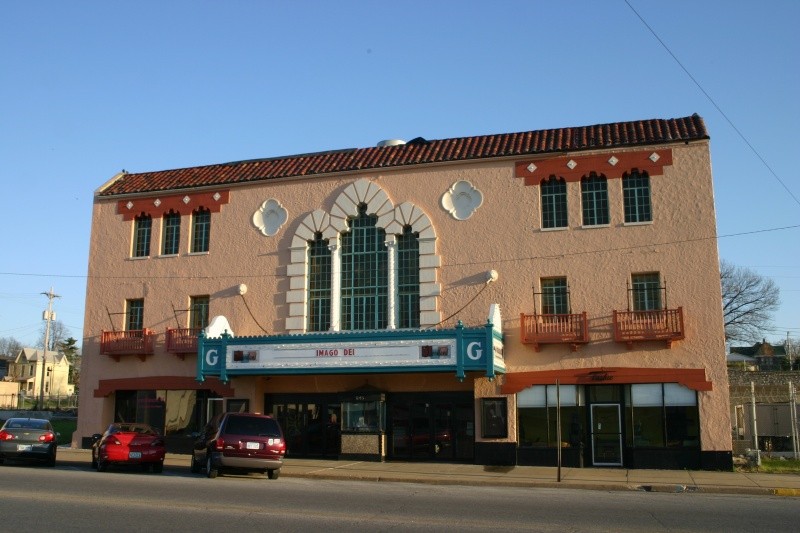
x=88, y=88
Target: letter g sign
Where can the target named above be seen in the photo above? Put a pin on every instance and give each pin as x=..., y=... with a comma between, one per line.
x=474, y=351
x=212, y=358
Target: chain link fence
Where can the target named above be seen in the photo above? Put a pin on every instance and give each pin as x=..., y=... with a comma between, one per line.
x=51, y=402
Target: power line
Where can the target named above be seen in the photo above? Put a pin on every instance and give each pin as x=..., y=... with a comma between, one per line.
x=718, y=108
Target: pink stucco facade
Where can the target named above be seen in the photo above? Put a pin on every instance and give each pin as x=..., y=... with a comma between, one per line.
x=494, y=223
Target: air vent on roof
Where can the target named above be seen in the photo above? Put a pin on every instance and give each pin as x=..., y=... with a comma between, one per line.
x=391, y=142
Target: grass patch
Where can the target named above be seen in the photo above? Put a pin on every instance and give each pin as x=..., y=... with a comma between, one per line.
x=65, y=427
x=773, y=466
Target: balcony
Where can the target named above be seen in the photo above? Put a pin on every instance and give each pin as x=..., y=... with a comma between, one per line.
x=569, y=329
x=182, y=341
x=137, y=342
x=641, y=326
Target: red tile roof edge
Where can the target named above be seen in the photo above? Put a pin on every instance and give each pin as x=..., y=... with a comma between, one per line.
x=416, y=152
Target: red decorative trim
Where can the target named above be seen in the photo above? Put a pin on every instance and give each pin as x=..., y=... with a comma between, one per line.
x=584, y=165
x=107, y=386
x=129, y=209
x=693, y=378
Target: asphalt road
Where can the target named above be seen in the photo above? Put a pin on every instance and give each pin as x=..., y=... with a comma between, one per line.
x=76, y=498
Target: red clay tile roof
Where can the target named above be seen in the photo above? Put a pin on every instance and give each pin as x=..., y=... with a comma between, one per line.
x=416, y=152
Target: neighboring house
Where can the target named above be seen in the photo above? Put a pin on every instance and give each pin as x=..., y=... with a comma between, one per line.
x=763, y=355
x=27, y=370
x=424, y=300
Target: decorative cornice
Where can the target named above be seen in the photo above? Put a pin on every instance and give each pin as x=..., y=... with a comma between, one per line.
x=183, y=204
x=611, y=165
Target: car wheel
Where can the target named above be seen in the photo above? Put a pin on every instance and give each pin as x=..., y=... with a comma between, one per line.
x=102, y=466
x=51, y=461
x=211, y=470
x=158, y=468
x=273, y=473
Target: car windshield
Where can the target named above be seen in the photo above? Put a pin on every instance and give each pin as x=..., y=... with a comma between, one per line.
x=251, y=425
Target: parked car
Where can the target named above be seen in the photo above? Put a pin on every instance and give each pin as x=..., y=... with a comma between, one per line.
x=240, y=442
x=28, y=439
x=128, y=444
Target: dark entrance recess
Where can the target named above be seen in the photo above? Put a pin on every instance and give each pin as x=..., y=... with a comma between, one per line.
x=310, y=423
x=431, y=426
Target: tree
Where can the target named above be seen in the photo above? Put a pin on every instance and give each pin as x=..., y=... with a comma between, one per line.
x=69, y=348
x=10, y=346
x=748, y=302
x=58, y=332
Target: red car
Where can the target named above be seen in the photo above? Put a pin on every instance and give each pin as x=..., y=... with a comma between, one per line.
x=128, y=444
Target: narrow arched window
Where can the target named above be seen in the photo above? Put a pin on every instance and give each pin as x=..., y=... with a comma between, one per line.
x=319, y=285
x=594, y=197
x=171, y=233
x=636, y=197
x=408, y=278
x=365, y=280
x=201, y=230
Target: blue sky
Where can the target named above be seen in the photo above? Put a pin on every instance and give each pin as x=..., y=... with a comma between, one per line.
x=88, y=88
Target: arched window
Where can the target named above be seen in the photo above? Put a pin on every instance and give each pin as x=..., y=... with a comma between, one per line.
x=170, y=233
x=364, y=274
x=408, y=278
x=319, y=284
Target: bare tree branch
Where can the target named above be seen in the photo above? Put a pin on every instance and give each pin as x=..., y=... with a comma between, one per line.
x=748, y=302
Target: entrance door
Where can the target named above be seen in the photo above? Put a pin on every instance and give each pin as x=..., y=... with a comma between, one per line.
x=606, y=435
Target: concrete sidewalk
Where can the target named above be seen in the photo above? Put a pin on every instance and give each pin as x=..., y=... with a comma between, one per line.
x=518, y=476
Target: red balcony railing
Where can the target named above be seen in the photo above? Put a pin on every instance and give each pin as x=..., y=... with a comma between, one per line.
x=639, y=326
x=182, y=341
x=569, y=329
x=135, y=342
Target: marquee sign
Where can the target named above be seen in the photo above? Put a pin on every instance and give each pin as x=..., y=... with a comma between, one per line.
x=459, y=350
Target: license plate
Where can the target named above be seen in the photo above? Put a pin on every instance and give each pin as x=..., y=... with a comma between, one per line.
x=134, y=455
x=24, y=447
x=253, y=446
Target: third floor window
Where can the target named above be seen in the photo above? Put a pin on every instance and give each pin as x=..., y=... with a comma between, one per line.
x=201, y=230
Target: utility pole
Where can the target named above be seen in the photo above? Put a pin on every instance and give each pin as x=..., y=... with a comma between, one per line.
x=48, y=317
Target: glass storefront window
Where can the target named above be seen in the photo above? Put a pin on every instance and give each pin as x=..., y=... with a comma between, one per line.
x=363, y=416
x=538, y=416
x=663, y=415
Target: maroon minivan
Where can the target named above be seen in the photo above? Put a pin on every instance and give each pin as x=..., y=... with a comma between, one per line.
x=240, y=442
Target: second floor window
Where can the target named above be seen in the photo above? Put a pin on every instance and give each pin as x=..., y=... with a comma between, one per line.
x=142, y=228
x=636, y=197
x=201, y=230
x=198, y=312
x=646, y=292
x=594, y=197
x=408, y=279
x=319, y=285
x=555, y=299
x=134, y=315
x=554, y=203
x=171, y=234
x=364, y=274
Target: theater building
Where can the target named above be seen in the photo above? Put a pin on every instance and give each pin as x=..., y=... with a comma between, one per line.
x=536, y=298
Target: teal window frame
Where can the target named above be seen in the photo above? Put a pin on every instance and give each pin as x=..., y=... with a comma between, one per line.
x=171, y=231
x=555, y=296
x=319, y=285
x=636, y=197
x=554, y=203
x=646, y=291
x=134, y=314
x=594, y=196
x=198, y=311
x=408, y=278
x=142, y=232
x=201, y=231
x=364, y=281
